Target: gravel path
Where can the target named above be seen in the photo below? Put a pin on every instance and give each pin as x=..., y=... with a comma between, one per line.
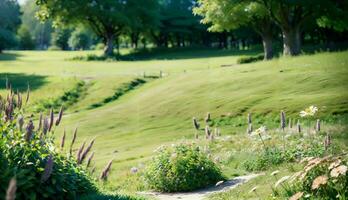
x=201, y=194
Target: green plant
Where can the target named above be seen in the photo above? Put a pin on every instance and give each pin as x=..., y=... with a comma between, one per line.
x=183, y=167
x=30, y=156
x=250, y=59
x=296, y=149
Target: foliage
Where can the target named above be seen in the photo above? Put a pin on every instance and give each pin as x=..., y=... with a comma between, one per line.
x=250, y=59
x=293, y=150
x=26, y=41
x=9, y=22
x=80, y=39
x=40, y=31
x=30, y=156
x=108, y=18
x=183, y=167
x=321, y=178
x=60, y=38
x=69, y=98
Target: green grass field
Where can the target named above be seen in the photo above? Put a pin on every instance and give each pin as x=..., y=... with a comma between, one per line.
x=158, y=112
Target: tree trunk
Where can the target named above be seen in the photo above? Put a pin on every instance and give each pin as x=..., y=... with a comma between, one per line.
x=291, y=41
x=109, y=46
x=267, y=47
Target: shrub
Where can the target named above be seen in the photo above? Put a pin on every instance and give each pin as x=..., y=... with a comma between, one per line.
x=182, y=167
x=250, y=59
x=321, y=178
x=28, y=154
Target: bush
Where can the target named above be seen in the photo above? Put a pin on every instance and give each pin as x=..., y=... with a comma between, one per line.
x=28, y=154
x=181, y=168
x=321, y=178
x=54, y=48
x=250, y=59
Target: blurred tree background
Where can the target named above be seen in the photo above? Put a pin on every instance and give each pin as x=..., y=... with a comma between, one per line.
x=143, y=24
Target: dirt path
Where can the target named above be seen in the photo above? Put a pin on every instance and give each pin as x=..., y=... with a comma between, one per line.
x=201, y=194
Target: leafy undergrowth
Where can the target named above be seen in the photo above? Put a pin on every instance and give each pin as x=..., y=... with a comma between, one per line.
x=33, y=167
x=122, y=90
x=68, y=99
x=181, y=168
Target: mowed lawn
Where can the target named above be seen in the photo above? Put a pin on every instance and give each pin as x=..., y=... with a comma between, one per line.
x=160, y=112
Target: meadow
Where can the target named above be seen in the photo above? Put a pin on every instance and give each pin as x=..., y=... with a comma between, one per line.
x=133, y=107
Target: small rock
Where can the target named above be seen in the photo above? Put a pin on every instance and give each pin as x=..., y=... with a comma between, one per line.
x=219, y=183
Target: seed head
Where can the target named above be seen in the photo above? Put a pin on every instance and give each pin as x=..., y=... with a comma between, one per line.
x=106, y=171
x=282, y=120
x=317, y=127
x=51, y=120
x=195, y=123
x=89, y=160
x=249, y=118
x=60, y=115
x=63, y=140
x=48, y=169
x=28, y=94
x=29, y=131
x=20, y=121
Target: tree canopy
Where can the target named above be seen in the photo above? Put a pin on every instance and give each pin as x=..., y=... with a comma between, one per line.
x=107, y=18
x=9, y=22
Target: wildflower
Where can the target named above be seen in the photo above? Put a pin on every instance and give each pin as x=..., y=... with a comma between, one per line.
x=11, y=190
x=249, y=118
x=296, y=196
x=340, y=170
x=40, y=122
x=259, y=131
x=106, y=171
x=282, y=120
x=20, y=122
x=28, y=94
x=310, y=111
x=281, y=181
x=89, y=160
x=134, y=170
x=317, y=126
x=48, y=169
x=298, y=126
x=29, y=131
x=60, y=114
x=63, y=140
x=320, y=180
x=79, y=152
x=84, y=154
x=195, y=123
x=51, y=120
x=207, y=118
x=207, y=132
x=73, y=140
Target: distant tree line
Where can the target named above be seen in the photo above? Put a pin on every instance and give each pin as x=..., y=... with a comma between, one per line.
x=111, y=24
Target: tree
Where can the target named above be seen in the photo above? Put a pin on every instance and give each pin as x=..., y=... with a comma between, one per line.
x=292, y=15
x=26, y=41
x=233, y=14
x=40, y=31
x=60, y=38
x=107, y=18
x=80, y=39
x=9, y=22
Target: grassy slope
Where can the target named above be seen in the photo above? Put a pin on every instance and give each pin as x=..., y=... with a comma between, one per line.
x=130, y=128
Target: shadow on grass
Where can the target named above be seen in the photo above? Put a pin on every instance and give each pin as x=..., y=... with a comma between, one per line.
x=169, y=54
x=8, y=56
x=20, y=81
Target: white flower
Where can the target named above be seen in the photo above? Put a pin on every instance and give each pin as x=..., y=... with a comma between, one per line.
x=259, y=131
x=310, y=111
